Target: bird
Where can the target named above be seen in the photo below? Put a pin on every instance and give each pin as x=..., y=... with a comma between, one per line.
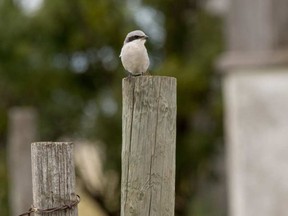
x=134, y=56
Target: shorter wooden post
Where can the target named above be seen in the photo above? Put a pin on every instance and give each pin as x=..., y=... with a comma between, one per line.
x=53, y=177
x=148, y=146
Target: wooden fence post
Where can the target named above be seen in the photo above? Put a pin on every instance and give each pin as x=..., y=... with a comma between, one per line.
x=21, y=132
x=148, y=146
x=53, y=177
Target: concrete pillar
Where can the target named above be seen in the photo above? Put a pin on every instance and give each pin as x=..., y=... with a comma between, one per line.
x=255, y=85
x=256, y=104
x=21, y=132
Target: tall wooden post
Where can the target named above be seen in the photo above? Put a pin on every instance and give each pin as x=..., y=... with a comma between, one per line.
x=22, y=131
x=148, y=146
x=53, y=177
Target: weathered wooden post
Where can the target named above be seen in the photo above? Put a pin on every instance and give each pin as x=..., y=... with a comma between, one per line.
x=53, y=178
x=148, y=151
x=21, y=132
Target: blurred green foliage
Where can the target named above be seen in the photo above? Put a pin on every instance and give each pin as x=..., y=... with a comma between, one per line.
x=63, y=60
x=3, y=184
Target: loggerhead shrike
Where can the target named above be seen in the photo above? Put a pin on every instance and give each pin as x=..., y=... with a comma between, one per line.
x=133, y=54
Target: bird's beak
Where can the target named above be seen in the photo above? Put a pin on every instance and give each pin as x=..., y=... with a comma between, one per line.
x=145, y=37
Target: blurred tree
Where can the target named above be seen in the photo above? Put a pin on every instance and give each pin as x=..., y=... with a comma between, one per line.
x=63, y=59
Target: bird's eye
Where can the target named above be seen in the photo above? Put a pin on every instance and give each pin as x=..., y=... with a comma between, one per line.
x=135, y=37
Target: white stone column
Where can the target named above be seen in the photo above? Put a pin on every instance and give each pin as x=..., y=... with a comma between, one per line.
x=255, y=89
x=256, y=119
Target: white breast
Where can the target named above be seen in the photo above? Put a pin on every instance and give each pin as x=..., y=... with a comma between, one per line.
x=134, y=57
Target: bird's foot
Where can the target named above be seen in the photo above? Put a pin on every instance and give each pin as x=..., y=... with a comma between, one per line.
x=147, y=73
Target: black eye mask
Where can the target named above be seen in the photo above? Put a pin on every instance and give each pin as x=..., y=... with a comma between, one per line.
x=132, y=38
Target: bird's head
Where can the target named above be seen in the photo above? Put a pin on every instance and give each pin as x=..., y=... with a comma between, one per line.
x=136, y=35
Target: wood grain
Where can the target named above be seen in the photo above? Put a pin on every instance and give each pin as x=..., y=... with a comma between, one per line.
x=148, y=146
x=53, y=176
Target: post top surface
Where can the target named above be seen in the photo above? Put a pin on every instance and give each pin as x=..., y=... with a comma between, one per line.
x=51, y=143
x=145, y=77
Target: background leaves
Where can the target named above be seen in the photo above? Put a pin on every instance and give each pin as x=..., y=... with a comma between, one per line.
x=63, y=60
